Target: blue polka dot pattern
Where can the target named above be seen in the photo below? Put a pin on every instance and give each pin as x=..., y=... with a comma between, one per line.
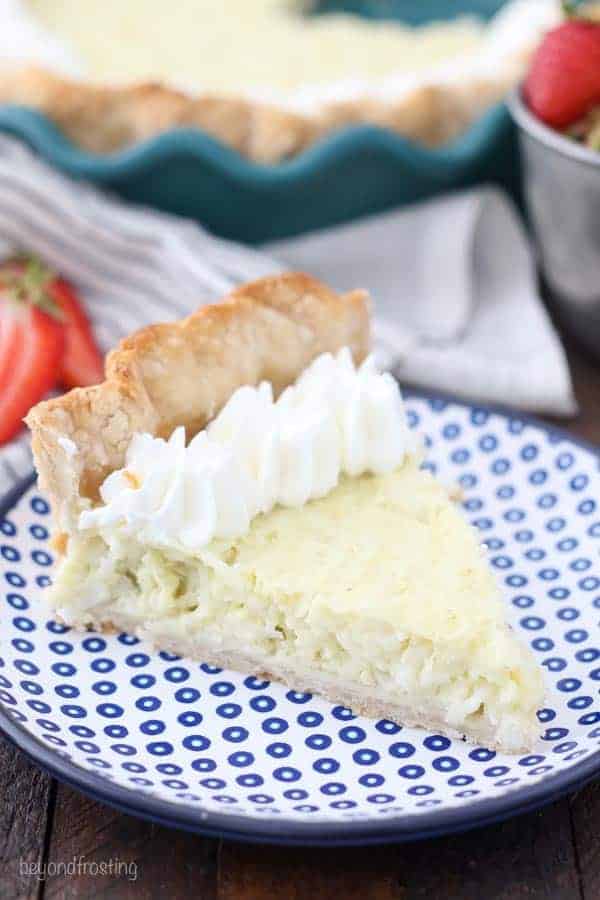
x=216, y=740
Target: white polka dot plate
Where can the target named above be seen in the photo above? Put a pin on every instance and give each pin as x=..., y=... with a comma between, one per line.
x=216, y=752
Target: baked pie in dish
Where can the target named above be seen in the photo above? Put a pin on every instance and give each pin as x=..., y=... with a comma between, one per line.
x=264, y=76
x=243, y=489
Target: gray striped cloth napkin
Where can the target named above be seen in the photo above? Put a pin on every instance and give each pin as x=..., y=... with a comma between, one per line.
x=132, y=266
x=454, y=284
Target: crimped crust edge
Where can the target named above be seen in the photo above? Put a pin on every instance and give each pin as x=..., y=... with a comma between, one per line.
x=182, y=373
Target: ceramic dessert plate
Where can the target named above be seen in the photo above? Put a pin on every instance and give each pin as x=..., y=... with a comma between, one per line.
x=213, y=751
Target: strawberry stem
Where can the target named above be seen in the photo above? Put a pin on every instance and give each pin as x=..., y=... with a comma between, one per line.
x=576, y=9
x=25, y=280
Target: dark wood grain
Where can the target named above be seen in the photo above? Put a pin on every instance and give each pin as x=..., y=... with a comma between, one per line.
x=586, y=381
x=584, y=807
x=585, y=818
x=24, y=804
x=249, y=872
x=529, y=857
x=154, y=862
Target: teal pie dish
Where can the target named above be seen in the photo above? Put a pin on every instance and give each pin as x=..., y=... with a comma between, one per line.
x=355, y=172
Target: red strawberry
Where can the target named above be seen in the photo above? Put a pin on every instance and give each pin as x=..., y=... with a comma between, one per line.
x=31, y=348
x=82, y=364
x=563, y=83
x=45, y=340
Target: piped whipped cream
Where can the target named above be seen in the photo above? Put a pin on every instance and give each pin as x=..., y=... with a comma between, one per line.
x=257, y=453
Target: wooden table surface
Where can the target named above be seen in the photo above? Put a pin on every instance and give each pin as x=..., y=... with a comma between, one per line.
x=553, y=853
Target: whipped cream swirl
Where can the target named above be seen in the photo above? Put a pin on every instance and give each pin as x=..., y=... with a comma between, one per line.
x=258, y=452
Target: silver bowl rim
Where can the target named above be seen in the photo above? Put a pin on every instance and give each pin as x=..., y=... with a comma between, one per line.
x=552, y=139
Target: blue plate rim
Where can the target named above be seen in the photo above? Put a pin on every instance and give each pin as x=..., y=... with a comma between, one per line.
x=398, y=829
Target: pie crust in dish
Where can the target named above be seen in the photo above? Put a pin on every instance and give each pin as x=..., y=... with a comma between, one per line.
x=457, y=70
x=376, y=595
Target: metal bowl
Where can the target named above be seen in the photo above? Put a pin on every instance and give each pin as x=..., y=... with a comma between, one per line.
x=561, y=181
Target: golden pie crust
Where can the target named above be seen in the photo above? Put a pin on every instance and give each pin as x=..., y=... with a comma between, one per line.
x=107, y=119
x=183, y=373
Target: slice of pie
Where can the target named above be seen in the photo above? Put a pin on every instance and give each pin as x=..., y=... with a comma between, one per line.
x=267, y=77
x=294, y=535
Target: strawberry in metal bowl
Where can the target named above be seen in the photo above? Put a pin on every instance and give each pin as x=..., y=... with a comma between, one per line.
x=557, y=111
